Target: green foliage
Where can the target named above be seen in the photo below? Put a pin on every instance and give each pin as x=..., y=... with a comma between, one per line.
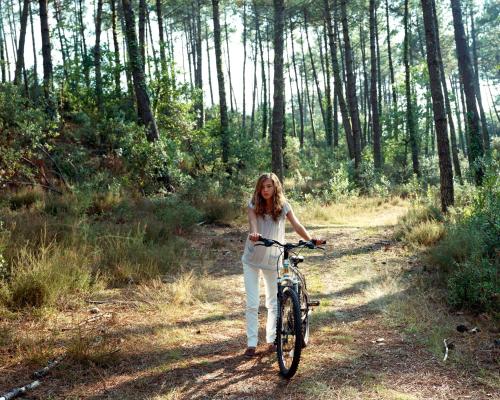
x=25, y=130
x=464, y=246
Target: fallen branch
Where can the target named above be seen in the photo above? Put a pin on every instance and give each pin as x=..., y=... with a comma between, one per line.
x=16, y=392
x=44, y=371
x=445, y=354
x=20, y=391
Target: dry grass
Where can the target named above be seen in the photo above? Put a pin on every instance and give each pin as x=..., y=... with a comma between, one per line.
x=359, y=211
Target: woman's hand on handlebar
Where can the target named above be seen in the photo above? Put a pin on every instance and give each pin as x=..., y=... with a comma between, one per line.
x=254, y=236
x=318, y=241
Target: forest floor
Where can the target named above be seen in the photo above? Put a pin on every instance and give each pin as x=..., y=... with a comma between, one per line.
x=378, y=333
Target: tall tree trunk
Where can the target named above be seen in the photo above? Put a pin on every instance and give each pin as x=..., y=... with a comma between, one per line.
x=315, y=74
x=145, y=115
x=461, y=140
x=377, y=156
x=243, y=114
x=142, y=33
x=224, y=123
x=352, y=98
x=231, y=91
x=116, y=68
x=20, y=47
x=365, y=87
x=299, y=97
x=2, y=45
x=453, y=136
x=379, y=69
x=446, y=174
x=475, y=149
x=254, y=90
x=287, y=52
x=464, y=115
x=395, y=124
x=97, y=57
x=279, y=91
x=62, y=37
x=484, y=126
x=85, y=60
x=308, y=97
x=209, y=67
x=263, y=75
x=35, y=61
x=328, y=93
x=338, y=82
x=199, y=75
x=47, y=58
x=163, y=57
x=410, y=114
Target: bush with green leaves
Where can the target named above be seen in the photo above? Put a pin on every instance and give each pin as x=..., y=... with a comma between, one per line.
x=469, y=252
x=25, y=131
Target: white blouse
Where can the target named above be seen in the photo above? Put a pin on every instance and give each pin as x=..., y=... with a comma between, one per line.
x=261, y=256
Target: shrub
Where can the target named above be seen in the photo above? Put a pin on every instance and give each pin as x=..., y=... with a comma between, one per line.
x=417, y=215
x=25, y=198
x=475, y=285
x=50, y=277
x=426, y=233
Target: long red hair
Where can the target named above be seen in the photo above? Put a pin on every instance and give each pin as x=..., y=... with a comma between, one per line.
x=278, y=196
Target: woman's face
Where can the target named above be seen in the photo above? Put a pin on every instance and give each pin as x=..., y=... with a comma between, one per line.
x=267, y=189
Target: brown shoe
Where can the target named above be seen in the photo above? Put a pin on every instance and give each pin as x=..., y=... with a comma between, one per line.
x=249, y=352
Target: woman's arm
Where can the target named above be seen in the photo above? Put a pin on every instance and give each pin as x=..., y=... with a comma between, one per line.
x=252, y=219
x=297, y=226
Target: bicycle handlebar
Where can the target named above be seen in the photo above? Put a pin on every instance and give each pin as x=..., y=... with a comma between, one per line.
x=309, y=244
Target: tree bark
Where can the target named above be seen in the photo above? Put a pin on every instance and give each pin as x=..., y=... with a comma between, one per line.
x=142, y=33
x=395, y=124
x=232, y=100
x=116, y=69
x=308, y=97
x=279, y=91
x=299, y=97
x=224, y=123
x=446, y=174
x=453, y=136
x=314, y=71
x=475, y=150
x=20, y=47
x=243, y=113
x=199, y=75
x=209, y=65
x=163, y=57
x=338, y=82
x=85, y=60
x=484, y=126
x=2, y=45
x=263, y=75
x=145, y=114
x=47, y=58
x=352, y=98
x=410, y=114
x=377, y=156
x=97, y=57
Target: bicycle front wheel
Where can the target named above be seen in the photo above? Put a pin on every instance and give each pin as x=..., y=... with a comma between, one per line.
x=289, y=333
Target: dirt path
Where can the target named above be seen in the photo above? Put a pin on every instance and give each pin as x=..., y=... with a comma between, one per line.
x=359, y=349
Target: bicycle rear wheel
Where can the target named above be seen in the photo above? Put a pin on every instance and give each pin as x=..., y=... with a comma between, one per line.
x=289, y=333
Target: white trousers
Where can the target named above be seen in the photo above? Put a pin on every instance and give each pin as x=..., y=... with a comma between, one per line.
x=251, y=277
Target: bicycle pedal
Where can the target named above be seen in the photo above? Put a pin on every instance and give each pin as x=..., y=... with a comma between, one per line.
x=313, y=303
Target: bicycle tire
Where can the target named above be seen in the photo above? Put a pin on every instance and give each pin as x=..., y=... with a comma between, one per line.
x=289, y=326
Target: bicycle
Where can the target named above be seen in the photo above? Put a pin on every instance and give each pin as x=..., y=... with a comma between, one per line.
x=294, y=305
